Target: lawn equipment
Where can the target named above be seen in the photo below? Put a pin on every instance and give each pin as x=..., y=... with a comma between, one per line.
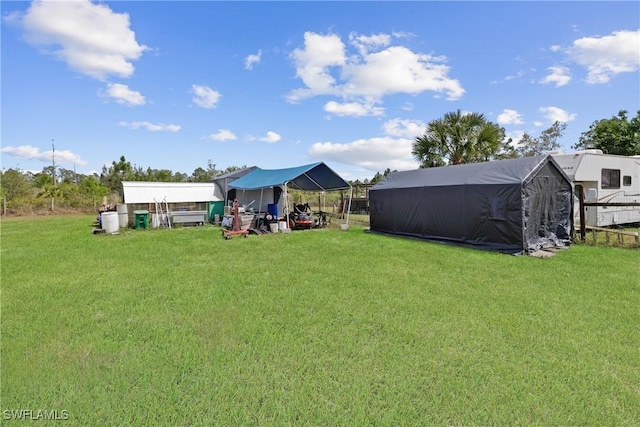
x=300, y=218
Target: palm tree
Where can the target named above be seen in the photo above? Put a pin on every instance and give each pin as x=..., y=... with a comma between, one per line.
x=458, y=138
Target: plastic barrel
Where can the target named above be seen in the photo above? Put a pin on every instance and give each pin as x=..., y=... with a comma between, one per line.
x=123, y=216
x=110, y=222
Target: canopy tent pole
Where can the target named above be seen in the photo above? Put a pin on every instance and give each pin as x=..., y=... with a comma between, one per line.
x=260, y=209
x=350, y=197
x=286, y=203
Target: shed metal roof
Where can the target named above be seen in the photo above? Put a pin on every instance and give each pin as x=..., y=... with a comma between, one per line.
x=172, y=192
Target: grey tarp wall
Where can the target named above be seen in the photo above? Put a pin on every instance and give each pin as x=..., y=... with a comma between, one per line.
x=512, y=206
x=223, y=181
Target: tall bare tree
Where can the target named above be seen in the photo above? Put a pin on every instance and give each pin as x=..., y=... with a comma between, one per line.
x=546, y=142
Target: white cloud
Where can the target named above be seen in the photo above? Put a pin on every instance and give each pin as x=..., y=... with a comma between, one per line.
x=555, y=114
x=313, y=63
x=402, y=35
x=271, y=137
x=366, y=43
x=151, y=127
x=250, y=60
x=509, y=117
x=205, y=97
x=515, y=76
x=374, y=154
x=376, y=70
x=558, y=75
x=223, y=135
x=518, y=75
x=355, y=109
x=123, y=95
x=555, y=48
x=605, y=57
x=89, y=37
x=399, y=70
x=404, y=128
x=31, y=152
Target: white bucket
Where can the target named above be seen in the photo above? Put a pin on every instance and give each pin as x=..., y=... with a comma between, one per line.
x=123, y=216
x=282, y=225
x=110, y=222
x=273, y=227
x=216, y=218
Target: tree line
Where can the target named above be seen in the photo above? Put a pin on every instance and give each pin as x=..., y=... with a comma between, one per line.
x=455, y=138
x=460, y=138
x=56, y=188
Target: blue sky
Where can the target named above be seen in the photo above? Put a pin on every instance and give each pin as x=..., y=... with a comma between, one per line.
x=172, y=85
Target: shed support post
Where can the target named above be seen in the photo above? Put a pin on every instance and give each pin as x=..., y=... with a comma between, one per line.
x=583, y=219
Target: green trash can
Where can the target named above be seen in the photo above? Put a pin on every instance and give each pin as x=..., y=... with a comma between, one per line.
x=141, y=219
x=216, y=208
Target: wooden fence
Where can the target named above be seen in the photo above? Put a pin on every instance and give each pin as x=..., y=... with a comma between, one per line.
x=619, y=233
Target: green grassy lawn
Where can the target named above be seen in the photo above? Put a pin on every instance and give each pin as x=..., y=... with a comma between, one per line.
x=319, y=327
x=601, y=237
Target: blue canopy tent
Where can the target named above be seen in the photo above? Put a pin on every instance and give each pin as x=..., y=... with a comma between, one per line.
x=311, y=177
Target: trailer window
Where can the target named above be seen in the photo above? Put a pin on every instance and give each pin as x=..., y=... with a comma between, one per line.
x=626, y=180
x=610, y=178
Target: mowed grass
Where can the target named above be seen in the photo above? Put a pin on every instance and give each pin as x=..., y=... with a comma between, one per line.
x=320, y=327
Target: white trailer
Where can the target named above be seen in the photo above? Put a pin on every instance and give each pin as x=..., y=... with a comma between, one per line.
x=605, y=178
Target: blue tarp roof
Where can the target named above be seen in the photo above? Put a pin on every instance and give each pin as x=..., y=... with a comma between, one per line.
x=312, y=177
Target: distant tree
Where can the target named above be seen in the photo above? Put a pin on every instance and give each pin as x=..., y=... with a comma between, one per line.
x=68, y=176
x=458, y=138
x=376, y=178
x=112, y=176
x=14, y=185
x=180, y=177
x=50, y=171
x=546, y=142
x=93, y=190
x=507, y=151
x=138, y=173
x=380, y=176
x=231, y=169
x=207, y=175
x=617, y=135
x=41, y=179
x=160, y=175
x=51, y=192
x=200, y=175
x=212, y=171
